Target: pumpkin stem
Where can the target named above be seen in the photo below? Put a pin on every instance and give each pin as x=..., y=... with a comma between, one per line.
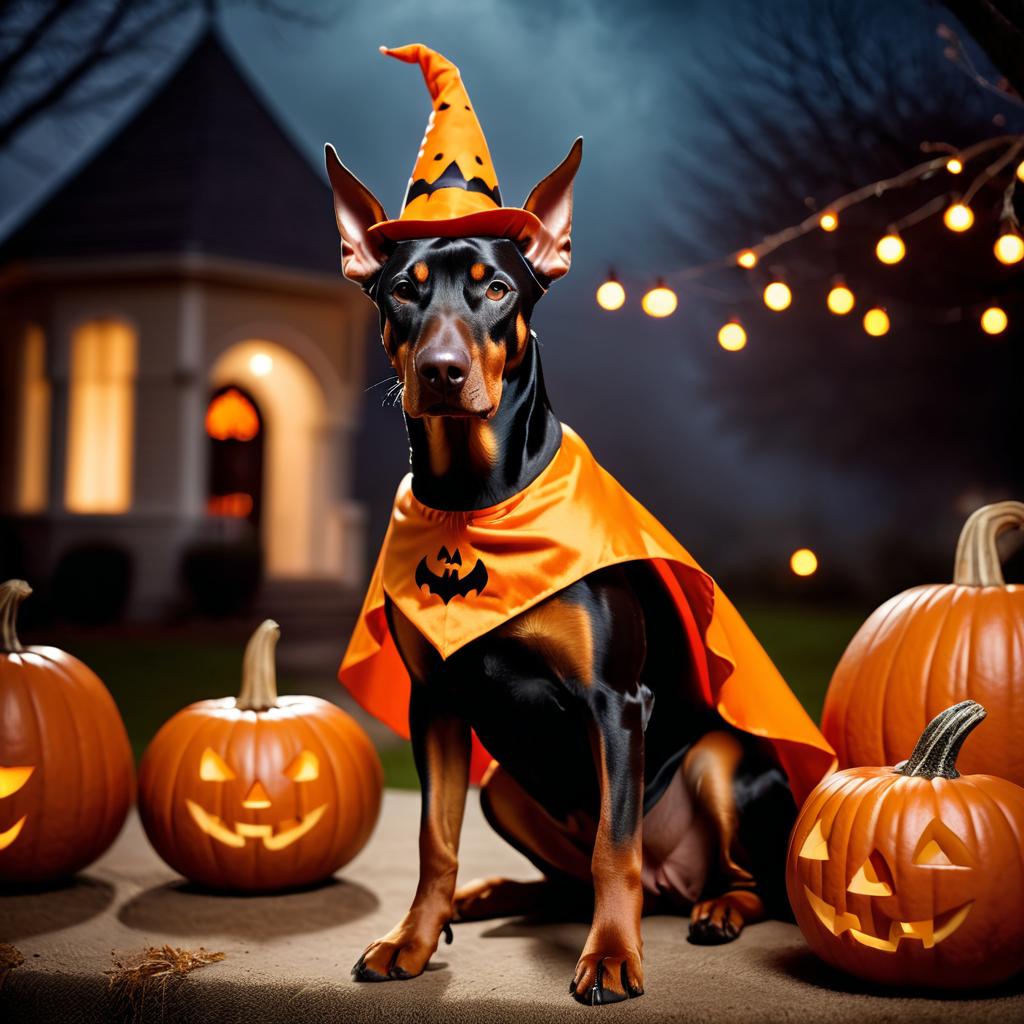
x=977, y=557
x=12, y=593
x=936, y=751
x=259, y=671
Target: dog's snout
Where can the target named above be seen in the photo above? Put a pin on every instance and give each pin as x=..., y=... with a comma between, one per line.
x=444, y=365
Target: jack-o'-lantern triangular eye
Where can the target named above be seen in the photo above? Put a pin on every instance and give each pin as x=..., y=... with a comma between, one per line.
x=305, y=767
x=12, y=779
x=816, y=844
x=212, y=767
x=873, y=877
x=940, y=847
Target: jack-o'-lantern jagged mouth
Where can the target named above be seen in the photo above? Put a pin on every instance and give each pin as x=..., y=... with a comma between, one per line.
x=928, y=933
x=275, y=837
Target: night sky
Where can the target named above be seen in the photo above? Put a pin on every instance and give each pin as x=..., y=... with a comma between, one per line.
x=539, y=75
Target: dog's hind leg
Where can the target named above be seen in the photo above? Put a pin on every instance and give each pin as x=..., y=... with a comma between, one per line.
x=710, y=768
x=561, y=851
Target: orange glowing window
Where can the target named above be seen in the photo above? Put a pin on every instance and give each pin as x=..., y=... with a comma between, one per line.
x=231, y=416
x=236, y=506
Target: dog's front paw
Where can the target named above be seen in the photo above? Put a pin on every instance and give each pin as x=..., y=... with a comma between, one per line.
x=607, y=977
x=402, y=954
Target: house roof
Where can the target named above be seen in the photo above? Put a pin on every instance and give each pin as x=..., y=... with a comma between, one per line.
x=202, y=166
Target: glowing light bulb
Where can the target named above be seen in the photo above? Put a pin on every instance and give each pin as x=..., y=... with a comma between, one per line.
x=747, y=259
x=994, y=320
x=1009, y=248
x=611, y=295
x=803, y=562
x=1020, y=171
x=777, y=296
x=260, y=364
x=732, y=337
x=828, y=221
x=660, y=301
x=840, y=300
x=954, y=165
x=890, y=249
x=876, y=322
x=958, y=217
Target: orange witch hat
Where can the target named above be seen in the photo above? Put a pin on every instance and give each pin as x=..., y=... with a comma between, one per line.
x=453, y=190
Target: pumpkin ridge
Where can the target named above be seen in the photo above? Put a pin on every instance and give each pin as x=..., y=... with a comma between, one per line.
x=925, y=597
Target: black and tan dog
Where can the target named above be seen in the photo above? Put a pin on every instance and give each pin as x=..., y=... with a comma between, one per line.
x=614, y=775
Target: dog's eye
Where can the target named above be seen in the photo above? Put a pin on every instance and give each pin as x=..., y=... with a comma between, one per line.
x=403, y=292
x=497, y=290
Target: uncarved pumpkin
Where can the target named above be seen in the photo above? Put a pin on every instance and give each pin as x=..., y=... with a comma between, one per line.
x=66, y=767
x=260, y=792
x=932, y=646
x=914, y=875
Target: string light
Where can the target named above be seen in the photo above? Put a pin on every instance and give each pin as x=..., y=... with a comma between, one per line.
x=994, y=320
x=840, y=299
x=954, y=165
x=828, y=221
x=611, y=295
x=777, y=296
x=876, y=322
x=731, y=336
x=1009, y=248
x=1020, y=171
x=747, y=259
x=890, y=248
x=958, y=217
x=803, y=562
x=660, y=301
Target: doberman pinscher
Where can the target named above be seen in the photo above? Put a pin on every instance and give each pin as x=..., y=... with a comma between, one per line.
x=611, y=776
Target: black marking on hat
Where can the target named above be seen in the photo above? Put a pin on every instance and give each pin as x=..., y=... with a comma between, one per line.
x=437, y=156
x=443, y=106
x=451, y=177
x=479, y=161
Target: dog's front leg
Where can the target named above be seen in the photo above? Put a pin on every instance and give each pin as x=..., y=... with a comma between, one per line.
x=610, y=968
x=441, y=746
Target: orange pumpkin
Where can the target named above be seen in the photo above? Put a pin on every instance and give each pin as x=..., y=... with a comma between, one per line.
x=66, y=767
x=932, y=646
x=914, y=875
x=260, y=792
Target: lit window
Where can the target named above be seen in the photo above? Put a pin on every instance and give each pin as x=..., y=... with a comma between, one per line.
x=101, y=412
x=34, y=424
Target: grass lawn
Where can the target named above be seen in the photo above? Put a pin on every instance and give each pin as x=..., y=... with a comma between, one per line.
x=152, y=676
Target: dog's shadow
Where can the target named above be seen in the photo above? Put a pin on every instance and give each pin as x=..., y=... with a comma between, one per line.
x=183, y=908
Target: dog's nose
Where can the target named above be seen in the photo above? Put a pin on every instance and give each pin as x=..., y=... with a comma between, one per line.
x=444, y=368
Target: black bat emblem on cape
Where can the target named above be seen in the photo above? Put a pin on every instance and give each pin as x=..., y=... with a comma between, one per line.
x=449, y=584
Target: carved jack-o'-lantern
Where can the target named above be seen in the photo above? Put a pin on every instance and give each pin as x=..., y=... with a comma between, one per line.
x=259, y=792
x=914, y=875
x=66, y=767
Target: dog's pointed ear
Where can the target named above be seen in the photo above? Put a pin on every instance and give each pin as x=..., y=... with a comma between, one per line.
x=550, y=251
x=356, y=209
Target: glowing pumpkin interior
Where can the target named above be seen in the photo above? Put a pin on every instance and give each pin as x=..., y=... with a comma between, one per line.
x=275, y=835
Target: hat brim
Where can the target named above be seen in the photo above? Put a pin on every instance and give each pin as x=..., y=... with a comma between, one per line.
x=502, y=222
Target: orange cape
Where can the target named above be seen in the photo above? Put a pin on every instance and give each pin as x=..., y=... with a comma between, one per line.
x=572, y=520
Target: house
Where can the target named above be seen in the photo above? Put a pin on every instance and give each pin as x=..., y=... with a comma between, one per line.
x=180, y=358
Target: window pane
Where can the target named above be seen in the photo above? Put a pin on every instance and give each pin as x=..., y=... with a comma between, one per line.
x=101, y=417
x=34, y=424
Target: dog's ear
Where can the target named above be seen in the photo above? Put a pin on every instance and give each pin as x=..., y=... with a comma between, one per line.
x=355, y=209
x=550, y=251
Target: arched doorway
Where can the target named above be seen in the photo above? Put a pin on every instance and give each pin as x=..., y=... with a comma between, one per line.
x=290, y=506
x=234, y=427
